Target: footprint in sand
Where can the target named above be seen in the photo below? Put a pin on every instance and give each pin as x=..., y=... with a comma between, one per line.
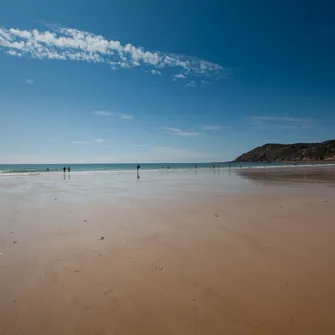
x=159, y=268
x=109, y=292
x=116, y=302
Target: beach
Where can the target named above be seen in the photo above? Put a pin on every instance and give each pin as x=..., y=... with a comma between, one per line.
x=247, y=251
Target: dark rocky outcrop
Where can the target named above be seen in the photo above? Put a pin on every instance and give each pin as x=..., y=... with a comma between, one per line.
x=324, y=151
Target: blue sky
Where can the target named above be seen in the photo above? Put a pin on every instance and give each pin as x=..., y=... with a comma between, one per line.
x=172, y=81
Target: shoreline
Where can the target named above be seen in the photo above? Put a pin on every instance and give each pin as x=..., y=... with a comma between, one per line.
x=209, y=167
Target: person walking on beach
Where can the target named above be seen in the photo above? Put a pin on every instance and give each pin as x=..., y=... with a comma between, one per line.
x=68, y=169
x=64, y=169
x=138, y=166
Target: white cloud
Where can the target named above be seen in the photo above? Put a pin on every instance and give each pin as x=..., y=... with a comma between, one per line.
x=192, y=83
x=156, y=72
x=179, y=132
x=96, y=140
x=125, y=116
x=103, y=113
x=30, y=81
x=99, y=140
x=213, y=127
x=179, y=76
x=71, y=44
x=14, y=53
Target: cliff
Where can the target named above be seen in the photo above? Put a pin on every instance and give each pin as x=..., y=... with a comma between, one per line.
x=324, y=151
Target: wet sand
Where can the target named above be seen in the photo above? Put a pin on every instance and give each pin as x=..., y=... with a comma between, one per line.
x=237, y=263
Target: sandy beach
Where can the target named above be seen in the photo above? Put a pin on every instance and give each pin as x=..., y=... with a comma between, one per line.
x=240, y=252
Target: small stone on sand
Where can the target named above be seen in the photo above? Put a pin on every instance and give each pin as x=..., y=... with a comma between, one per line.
x=101, y=238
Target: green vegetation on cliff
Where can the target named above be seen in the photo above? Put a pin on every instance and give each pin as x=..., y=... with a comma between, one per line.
x=324, y=151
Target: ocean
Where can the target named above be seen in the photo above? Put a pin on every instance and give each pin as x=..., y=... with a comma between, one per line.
x=6, y=169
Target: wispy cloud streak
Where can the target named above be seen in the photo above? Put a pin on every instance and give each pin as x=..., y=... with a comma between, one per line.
x=99, y=140
x=125, y=116
x=179, y=132
x=74, y=45
x=122, y=116
x=179, y=76
x=192, y=83
x=103, y=113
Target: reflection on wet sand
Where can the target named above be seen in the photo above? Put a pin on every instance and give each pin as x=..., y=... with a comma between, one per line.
x=290, y=176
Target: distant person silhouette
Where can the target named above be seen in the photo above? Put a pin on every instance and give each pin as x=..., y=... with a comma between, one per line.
x=138, y=166
x=68, y=169
x=195, y=166
x=64, y=169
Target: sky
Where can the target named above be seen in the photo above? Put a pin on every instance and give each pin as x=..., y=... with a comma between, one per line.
x=163, y=81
